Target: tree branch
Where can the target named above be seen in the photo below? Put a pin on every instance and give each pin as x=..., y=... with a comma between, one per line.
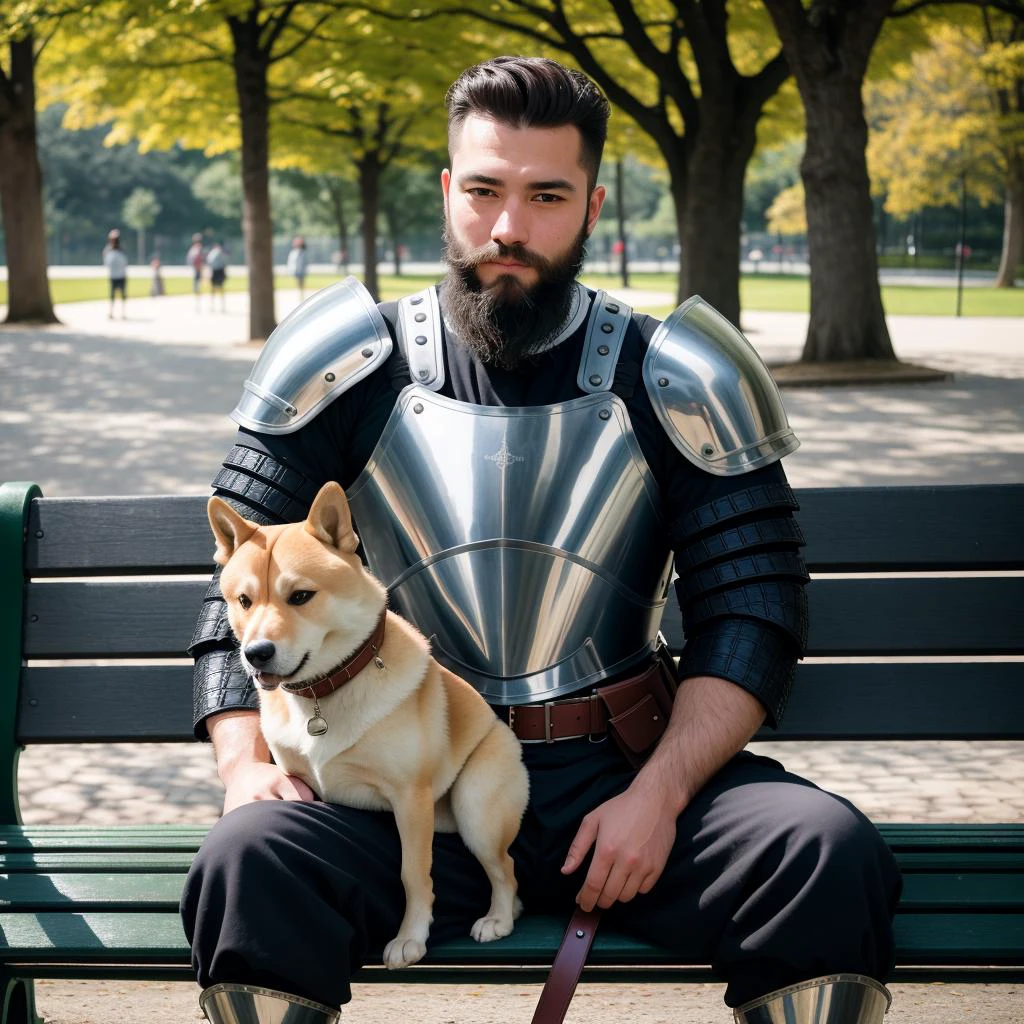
x=303, y=39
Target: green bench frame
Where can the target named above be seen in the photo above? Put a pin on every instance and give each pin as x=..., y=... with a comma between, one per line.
x=905, y=577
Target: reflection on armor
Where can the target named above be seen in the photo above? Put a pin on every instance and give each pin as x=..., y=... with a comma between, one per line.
x=250, y=1004
x=527, y=543
x=714, y=396
x=833, y=999
x=335, y=338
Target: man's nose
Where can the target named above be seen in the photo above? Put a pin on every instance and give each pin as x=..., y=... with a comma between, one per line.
x=511, y=228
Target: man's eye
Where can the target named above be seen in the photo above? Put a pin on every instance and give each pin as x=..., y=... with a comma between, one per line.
x=547, y=198
x=301, y=596
x=481, y=193
x=244, y=601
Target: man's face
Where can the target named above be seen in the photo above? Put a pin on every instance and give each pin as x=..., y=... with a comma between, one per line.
x=520, y=189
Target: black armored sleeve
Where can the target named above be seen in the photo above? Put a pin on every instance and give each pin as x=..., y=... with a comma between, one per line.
x=741, y=589
x=264, y=490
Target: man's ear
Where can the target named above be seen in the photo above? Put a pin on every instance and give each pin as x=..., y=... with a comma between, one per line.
x=230, y=529
x=594, y=204
x=330, y=520
x=446, y=184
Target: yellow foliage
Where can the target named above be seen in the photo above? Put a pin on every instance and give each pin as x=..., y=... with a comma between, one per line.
x=935, y=120
x=787, y=214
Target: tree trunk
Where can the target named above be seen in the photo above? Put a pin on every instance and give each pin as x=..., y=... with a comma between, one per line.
x=338, y=203
x=21, y=192
x=706, y=173
x=620, y=205
x=828, y=53
x=1013, y=231
x=369, y=194
x=250, y=66
x=847, y=317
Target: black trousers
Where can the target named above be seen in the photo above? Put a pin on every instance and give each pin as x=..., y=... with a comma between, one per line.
x=771, y=881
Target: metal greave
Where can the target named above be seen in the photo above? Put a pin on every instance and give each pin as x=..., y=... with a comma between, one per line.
x=833, y=999
x=249, y=1004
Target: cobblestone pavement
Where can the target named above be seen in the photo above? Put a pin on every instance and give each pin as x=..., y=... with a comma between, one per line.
x=138, y=406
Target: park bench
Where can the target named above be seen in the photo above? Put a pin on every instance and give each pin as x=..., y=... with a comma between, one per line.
x=917, y=633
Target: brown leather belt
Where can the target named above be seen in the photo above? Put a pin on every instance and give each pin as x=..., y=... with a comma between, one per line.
x=574, y=717
x=559, y=719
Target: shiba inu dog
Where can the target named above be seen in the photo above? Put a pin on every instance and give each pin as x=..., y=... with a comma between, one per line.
x=352, y=703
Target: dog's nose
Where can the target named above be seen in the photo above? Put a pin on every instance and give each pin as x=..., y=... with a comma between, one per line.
x=260, y=652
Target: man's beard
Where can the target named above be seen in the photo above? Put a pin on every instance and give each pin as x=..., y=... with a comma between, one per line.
x=508, y=321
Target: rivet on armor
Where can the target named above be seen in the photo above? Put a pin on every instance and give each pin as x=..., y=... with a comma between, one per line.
x=605, y=414
x=607, y=328
x=421, y=339
x=423, y=374
x=579, y=933
x=417, y=407
x=367, y=352
x=707, y=451
x=330, y=378
x=40, y=534
x=602, y=350
x=663, y=382
x=595, y=379
x=417, y=299
x=420, y=317
x=612, y=307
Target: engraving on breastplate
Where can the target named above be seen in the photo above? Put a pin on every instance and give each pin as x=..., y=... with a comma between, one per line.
x=503, y=458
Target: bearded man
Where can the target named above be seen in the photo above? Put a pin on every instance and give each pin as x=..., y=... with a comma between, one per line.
x=526, y=460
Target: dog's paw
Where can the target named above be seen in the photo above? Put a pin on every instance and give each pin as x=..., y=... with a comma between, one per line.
x=401, y=952
x=487, y=929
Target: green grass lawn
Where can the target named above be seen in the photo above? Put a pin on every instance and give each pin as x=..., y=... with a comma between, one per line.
x=783, y=293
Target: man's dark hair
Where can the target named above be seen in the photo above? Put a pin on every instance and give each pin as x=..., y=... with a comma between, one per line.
x=532, y=92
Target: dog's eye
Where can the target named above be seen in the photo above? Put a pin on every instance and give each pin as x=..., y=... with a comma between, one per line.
x=301, y=596
x=244, y=601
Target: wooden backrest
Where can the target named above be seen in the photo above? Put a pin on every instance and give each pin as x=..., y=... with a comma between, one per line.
x=901, y=575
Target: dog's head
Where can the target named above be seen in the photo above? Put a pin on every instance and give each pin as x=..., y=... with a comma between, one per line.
x=299, y=599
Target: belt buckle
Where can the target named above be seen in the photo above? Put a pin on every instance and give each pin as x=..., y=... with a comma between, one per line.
x=548, y=705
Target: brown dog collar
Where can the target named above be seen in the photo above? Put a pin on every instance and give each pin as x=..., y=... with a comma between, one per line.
x=350, y=667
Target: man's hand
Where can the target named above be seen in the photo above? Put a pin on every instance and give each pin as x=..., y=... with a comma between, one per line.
x=244, y=765
x=256, y=780
x=632, y=835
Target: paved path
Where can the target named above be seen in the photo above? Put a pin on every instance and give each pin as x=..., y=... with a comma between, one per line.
x=139, y=406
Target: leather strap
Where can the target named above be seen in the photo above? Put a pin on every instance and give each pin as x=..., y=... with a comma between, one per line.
x=559, y=719
x=349, y=668
x=565, y=972
x=575, y=716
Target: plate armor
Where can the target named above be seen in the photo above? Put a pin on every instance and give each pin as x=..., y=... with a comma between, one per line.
x=528, y=543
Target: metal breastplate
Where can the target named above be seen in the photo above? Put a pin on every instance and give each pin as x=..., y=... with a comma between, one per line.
x=526, y=543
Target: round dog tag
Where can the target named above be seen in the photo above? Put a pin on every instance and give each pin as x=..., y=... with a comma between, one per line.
x=316, y=726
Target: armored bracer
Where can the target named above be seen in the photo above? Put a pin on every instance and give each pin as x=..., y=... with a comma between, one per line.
x=741, y=592
x=264, y=491
x=320, y=350
x=712, y=393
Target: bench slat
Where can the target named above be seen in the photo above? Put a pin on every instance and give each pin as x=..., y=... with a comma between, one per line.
x=92, y=891
x=956, y=700
x=870, y=528
x=98, y=891
x=894, y=617
x=98, y=860
x=151, y=936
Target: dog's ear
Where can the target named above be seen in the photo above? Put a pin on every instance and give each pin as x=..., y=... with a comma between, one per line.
x=230, y=529
x=330, y=520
